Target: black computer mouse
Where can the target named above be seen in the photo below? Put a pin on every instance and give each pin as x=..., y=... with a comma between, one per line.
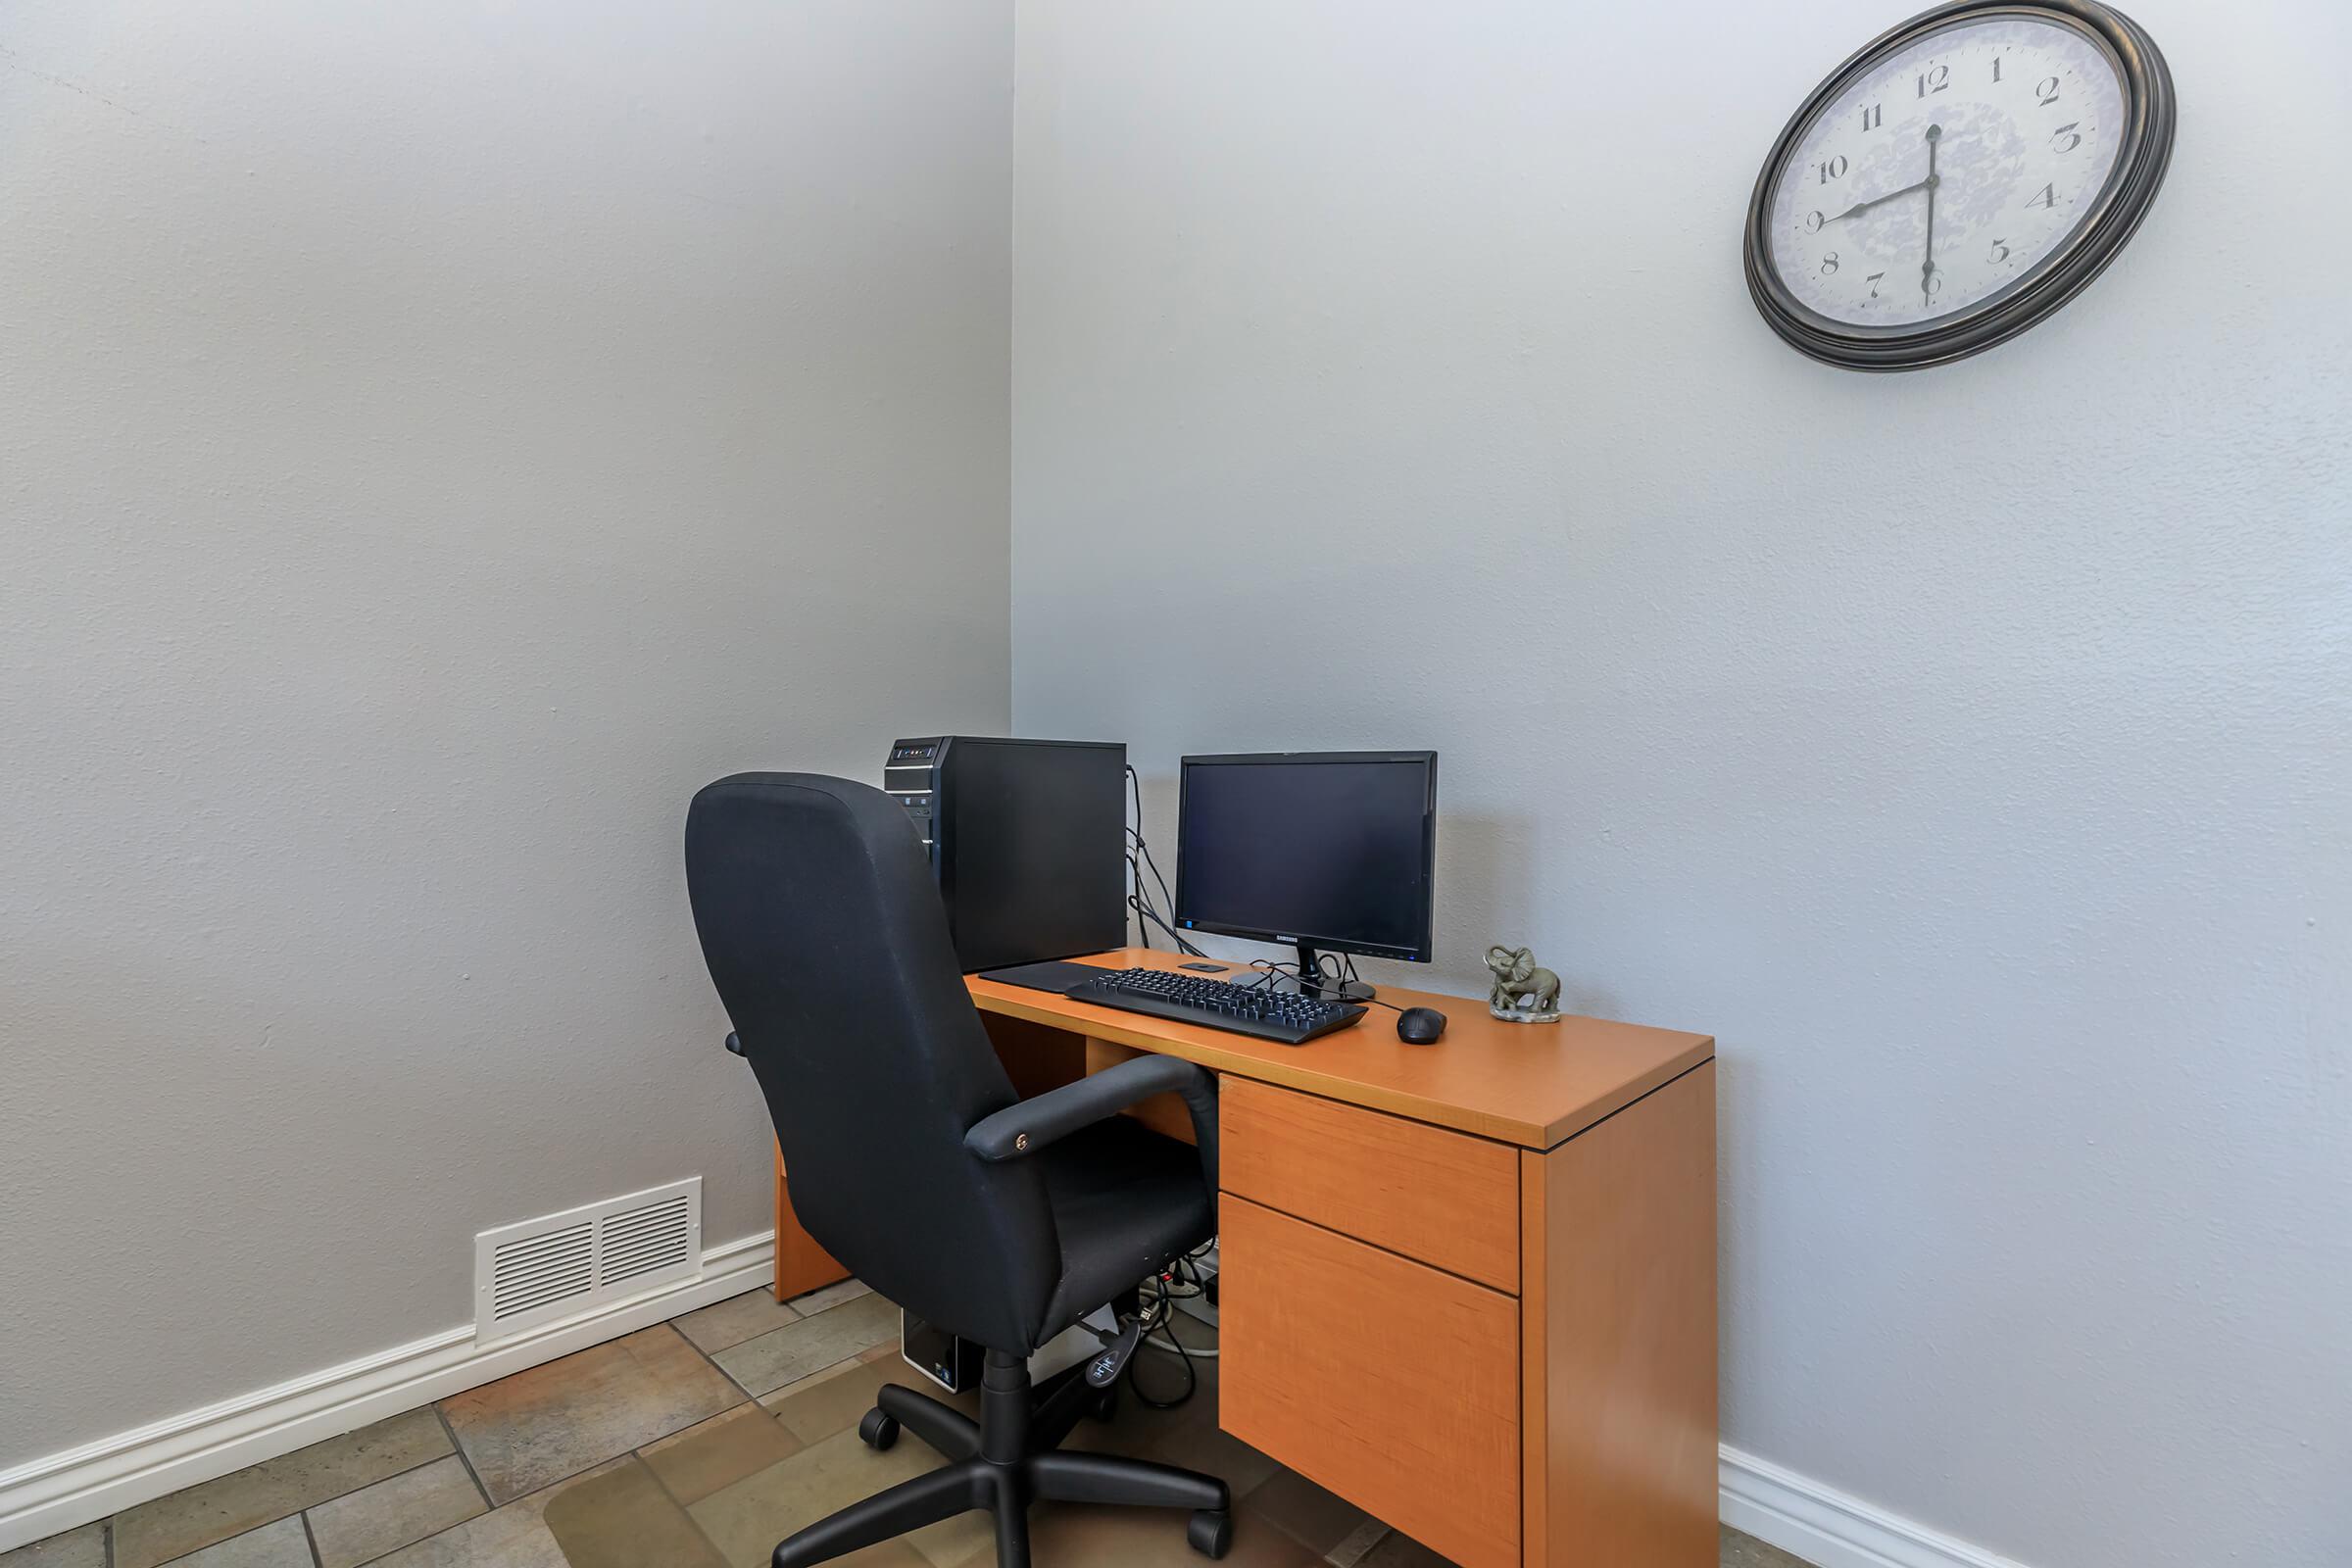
x=1420, y=1026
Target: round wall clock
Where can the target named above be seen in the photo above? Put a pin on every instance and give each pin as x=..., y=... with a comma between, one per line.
x=1958, y=181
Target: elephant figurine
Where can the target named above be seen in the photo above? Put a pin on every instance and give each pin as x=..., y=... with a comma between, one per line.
x=1524, y=992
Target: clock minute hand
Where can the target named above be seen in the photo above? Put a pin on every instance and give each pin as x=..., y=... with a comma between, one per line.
x=1927, y=269
x=1877, y=201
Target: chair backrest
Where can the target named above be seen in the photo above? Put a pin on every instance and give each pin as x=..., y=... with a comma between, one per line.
x=829, y=947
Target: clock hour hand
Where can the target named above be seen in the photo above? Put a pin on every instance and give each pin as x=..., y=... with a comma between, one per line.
x=1878, y=201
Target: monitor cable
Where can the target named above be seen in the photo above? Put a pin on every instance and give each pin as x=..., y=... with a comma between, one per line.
x=1139, y=860
x=1270, y=971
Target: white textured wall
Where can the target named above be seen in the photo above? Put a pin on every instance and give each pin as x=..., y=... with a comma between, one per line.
x=436, y=439
x=1968, y=750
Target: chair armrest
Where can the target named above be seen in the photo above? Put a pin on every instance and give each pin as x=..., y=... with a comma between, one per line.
x=1042, y=1120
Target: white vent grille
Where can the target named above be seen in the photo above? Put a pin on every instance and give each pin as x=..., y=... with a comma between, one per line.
x=585, y=1259
x=645, y=1240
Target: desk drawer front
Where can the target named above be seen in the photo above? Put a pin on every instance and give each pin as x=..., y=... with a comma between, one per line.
x=1444, y=1197
x=1394, y=1385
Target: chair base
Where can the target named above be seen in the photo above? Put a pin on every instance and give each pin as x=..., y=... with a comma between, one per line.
x=1003, y=1462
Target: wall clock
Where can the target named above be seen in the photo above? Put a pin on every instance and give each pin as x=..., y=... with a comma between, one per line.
x=1958, y=181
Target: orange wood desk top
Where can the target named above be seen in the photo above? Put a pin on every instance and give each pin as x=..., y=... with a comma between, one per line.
x=1533, y=1085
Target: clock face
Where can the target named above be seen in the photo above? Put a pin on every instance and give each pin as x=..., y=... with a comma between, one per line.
x=1944, y=174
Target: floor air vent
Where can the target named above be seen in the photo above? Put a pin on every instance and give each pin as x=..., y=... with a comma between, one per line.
x=583, y=1259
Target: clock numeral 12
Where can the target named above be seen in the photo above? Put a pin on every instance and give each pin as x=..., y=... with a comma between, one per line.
x=1935, y=80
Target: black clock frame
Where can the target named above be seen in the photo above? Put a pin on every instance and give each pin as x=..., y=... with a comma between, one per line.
x=2149, y=115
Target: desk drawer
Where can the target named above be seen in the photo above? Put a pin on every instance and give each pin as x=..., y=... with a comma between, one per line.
x=1394, y=1385
x=1444, y=1197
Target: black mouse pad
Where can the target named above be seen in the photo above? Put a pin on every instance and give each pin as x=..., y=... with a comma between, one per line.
x=1058, y=978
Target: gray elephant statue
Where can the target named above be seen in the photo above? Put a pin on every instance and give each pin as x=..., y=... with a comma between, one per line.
x=1523, y=990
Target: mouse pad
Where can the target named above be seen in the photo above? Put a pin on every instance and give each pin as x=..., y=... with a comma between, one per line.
x=1058, y=978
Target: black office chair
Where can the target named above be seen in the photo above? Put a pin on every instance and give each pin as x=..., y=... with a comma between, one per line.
x=911, y=1160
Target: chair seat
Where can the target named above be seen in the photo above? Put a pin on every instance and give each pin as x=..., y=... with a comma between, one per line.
x=1126, y=1200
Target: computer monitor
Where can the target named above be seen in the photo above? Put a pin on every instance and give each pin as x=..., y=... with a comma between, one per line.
x=1329, y=851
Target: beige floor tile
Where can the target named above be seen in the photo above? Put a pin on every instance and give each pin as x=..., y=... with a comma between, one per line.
x=718, y=1452
x=830, y=1297
x=1204, y=1447
x=859, y=1365
x=735, y=1320
x=792, y=1352
x=527, y=1430
x=74, y=1548
x=278, y=1546
x=1317, y=1518
x=1359, y=1545
x=512, y=1536
x=836, y=1398
x=186, y=1521
x=1746, y=1551
x=615, y=1516
x=1064, y=1535
x=748, y=1518
x=622, y=1518
x=362, y=1526
x=1397, y=1551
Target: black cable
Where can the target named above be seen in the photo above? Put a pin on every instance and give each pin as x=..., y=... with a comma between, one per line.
x=1186, y=1266
x=1165, y=896
x=1152, y=915
x=1158, y=1323
x=1135, y=899
x=1271, y=972
x=1135, y=872
x=1139, y=898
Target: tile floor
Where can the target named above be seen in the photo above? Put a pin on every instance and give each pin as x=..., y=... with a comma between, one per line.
x=699, y=1443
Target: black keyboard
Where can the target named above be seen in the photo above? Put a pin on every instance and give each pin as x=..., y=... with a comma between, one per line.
x=1252, y=1010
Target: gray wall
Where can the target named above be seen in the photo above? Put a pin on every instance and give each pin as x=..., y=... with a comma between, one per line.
x=1968, y=751
x=439, y=437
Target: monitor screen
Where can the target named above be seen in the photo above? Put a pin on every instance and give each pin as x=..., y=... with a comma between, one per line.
x=1329, y=850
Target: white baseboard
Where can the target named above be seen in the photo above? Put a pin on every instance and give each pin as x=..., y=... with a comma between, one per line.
x=1809, y=1519
x=61, y=1491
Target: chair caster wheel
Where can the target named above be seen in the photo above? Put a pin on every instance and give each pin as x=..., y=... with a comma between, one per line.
x=1107, y=1405
x=878, y=1430
x=1209, y=1533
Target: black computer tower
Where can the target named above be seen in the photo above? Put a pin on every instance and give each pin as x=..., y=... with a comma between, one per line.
x=1027, y=840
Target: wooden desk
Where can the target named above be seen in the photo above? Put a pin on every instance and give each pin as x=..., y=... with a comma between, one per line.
x=1469, y=1287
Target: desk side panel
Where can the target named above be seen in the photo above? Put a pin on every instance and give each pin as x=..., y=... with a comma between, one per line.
x=1165, y=1114
x=1621, y=1378
x=802, y=1265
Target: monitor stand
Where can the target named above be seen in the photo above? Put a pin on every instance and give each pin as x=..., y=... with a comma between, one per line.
x=1329, y=990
